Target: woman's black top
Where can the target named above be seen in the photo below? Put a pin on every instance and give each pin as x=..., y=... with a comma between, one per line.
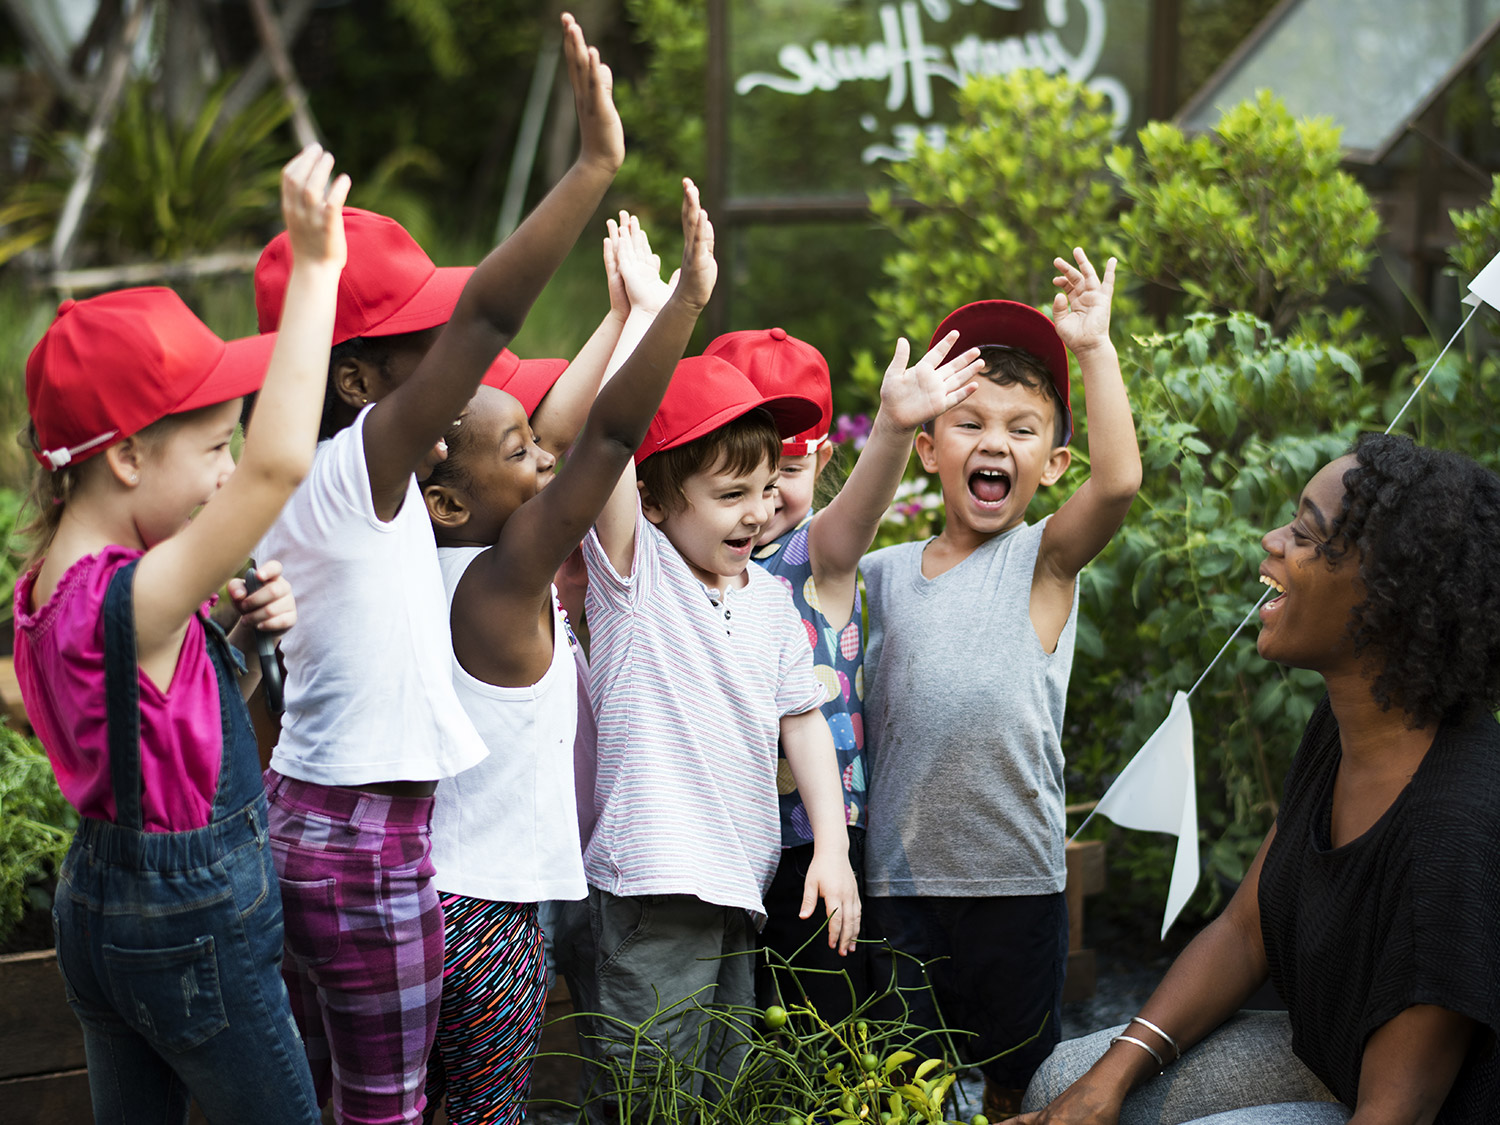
x=1408, y=913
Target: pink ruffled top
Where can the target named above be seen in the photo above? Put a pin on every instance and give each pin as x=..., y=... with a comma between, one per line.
x=60, y=665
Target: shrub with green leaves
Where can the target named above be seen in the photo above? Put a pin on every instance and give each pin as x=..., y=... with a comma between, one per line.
x=1256, y=215
x=36, y=826
x=1020, y=181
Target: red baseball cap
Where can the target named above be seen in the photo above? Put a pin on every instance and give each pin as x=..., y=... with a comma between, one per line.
x=110, y=366
x=707, y=392
x=775, y=364
x=389, y=284
x=1011, y=324
x=528, y=379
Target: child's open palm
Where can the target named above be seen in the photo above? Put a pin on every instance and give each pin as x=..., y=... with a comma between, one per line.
x=638, y=266
x=913, y=396
x=695, y=282
x=602, y=137
x=1081, y=311
x=314, y=208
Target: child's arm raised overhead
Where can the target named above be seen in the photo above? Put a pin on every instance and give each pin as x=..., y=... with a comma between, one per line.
x=560, y=416
x=544, y=532
x=1089, y=518
x=909, y=397
x=641, y=272
x=808, y=747
x=405, y=425
x=178, y=574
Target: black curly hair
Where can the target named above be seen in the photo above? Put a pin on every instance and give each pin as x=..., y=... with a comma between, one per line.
x=1425, y=526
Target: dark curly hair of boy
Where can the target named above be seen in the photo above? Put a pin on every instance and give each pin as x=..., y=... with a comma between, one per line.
x=1425, y=526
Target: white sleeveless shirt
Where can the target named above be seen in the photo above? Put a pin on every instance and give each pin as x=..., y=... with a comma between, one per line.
x=368, y=695
x=507, y=829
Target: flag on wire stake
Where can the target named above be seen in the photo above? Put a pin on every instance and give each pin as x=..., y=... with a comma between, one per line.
x=1155, y=792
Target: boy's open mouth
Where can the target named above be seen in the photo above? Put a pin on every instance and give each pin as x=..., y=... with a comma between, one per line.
x=989, y=486
x=739, y=544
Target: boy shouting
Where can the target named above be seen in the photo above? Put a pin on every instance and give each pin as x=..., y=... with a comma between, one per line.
x=970, y=649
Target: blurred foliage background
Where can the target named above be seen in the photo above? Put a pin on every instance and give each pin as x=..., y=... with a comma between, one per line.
x=1261, y=316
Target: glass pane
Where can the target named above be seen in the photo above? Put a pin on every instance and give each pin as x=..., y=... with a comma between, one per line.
x=1367, y=64
x=822, y=94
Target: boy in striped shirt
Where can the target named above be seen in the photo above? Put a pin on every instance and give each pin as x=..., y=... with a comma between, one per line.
x=699, y=664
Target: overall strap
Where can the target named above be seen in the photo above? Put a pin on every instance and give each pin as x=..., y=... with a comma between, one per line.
x=122, y=696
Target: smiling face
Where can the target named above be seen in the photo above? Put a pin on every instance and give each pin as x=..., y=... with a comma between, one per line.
x=725, y=513
x=494, y=465
x=991, y=453
x=182, y=469
x=1307, y=624
x=795, y=483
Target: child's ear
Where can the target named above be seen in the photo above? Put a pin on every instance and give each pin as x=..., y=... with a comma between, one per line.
x=1057, y=465
x=124, y=459
x=825, y=455
x=649, y=507
x=445, y=507
x=927, y=450
x=354, y=381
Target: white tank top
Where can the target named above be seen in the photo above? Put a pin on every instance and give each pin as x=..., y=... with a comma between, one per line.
x=507, y=829
x=368, y=694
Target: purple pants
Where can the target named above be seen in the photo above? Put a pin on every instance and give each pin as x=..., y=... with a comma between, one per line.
x=364, y=942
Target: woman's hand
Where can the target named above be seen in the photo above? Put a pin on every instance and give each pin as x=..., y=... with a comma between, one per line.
x=1083, y=1103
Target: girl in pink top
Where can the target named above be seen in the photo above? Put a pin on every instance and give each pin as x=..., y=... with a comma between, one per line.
x=167, y=916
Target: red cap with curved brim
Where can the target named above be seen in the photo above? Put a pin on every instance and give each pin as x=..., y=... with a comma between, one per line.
x=1010, y=324
x=705, y=393
x=777, y=363
x=388, y=286
x=110, y=366
x=528, y=380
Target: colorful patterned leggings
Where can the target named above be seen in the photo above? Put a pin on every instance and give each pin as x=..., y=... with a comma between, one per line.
x=494, y=997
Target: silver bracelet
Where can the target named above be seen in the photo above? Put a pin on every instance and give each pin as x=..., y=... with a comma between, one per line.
x=1149, y=1026
x=1161, y=1067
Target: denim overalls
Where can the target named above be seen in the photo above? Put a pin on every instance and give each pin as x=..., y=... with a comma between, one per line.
x=170, y=943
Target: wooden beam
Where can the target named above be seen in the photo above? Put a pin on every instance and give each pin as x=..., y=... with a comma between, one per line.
x=269, y=30
x=141, y=273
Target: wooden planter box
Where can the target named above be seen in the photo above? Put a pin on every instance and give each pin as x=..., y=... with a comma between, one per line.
x=42, y=1076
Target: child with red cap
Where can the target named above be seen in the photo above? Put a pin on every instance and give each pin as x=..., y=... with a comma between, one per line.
x=964, y=858
x=503, y=527
x=372, y=722
x=816, y=557
x=697, y=666
x=169, y=932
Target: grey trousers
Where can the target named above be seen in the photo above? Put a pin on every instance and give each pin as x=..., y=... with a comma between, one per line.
x=1242, y=1074
x=663, y=964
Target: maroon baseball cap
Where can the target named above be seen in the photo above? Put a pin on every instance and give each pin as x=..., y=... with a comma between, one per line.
x=110, y=366
x=705, y=393
x=776, y=363
x=389, y=284
x=1011, y=324
x=528, y=380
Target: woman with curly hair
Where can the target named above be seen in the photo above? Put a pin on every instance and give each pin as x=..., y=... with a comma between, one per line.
x=1374, y=903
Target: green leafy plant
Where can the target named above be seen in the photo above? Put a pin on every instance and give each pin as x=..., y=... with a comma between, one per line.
x=163, y=190
x=36, y=826
x=1256, y=216
x=1020, y=181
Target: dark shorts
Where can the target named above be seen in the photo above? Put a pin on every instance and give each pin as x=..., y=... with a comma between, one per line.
x=995, y=966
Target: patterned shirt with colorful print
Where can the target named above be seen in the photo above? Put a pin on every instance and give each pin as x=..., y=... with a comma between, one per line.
x=838, y=660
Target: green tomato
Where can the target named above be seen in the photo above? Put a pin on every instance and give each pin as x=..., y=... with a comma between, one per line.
x=862, y=1029
x=775, y=1017
x=979, y=1119
x=870, y=1062
x=848, y=1104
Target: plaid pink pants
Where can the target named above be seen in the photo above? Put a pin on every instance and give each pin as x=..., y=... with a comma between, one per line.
x=364, y=942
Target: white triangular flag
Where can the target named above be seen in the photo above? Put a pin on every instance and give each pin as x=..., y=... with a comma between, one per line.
x=1156, y=793
x=1487, y=285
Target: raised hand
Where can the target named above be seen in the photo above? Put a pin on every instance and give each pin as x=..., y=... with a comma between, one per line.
x=640, y=269
x=912, y=396
x=602, y=137
x=1081, y=310
x=619, y=298
x=314, y=208
x=699, y=270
